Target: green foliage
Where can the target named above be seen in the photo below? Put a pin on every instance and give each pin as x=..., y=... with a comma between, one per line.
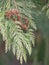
x=15, y=37
x=41, y=17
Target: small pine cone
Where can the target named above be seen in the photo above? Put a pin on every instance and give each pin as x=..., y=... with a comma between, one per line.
x=14, y=11
x=14, y=19
x=8, y=14
x=18, y=18
x=26, y=20
x=24, y=27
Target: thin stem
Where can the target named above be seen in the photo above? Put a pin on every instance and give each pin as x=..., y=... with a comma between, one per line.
x=46, y=61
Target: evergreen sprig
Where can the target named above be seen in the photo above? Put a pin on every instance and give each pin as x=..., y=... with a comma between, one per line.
x=17, y=39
